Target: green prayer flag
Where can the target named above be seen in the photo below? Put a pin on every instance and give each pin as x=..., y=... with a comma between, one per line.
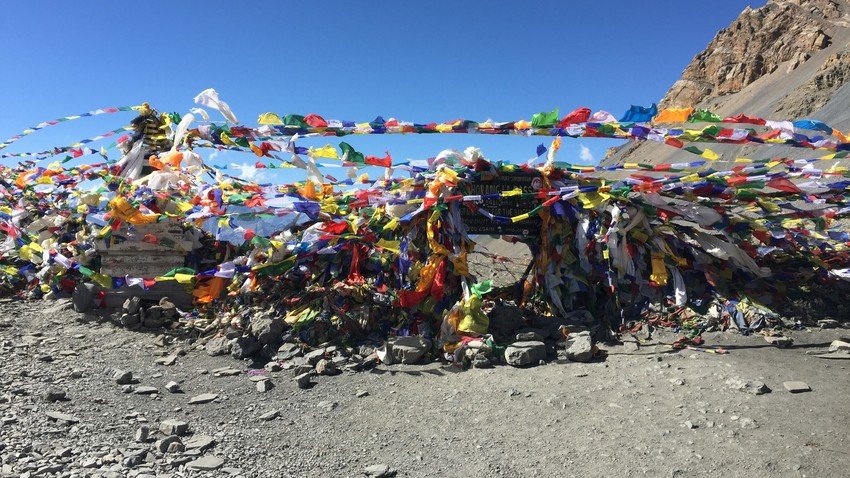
x=545, y=120
x=704, y=116
x=351, y=155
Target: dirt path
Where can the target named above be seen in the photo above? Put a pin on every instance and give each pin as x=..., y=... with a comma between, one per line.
x=647, y=412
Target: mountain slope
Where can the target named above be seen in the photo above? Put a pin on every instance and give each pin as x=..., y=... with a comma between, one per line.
x=789, y=59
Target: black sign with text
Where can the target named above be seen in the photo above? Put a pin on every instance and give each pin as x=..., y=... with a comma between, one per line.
x=508, y=207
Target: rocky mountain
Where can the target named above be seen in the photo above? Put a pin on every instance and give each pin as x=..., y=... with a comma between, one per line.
x=789, y=59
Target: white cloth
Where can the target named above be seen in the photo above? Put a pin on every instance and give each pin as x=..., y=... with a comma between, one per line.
x=209, y=98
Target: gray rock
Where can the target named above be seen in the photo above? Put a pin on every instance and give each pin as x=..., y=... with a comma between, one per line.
x=326, y=367
x=272, y=367
x=244, y=347
x=753, y=387
x=779, y=342
x=83, y=296
x=326, y=405
x=266, y=329
x=579, y=348
x=408, y=350
x=301, y=369
x=62, y=417
x=218, y=346
x=172, y=387
x=361, y=393
x=168, y=360
x=145, y=390
x=837, y=345
x=176, y=448
x=530, y=335
x=199, y=442
x=129, y=320
x=162, y=445
x=481, y=361
x=264, y=386
x=132, y=305
x=202, y=398
x=174, y=427
x=314, y=356
x=379, y=471
x=123, y=377
x=269, y=416
x=303, y=380
x=796, y=387
x=505, y=320
x=205, y=463
x=142, y=434
x=828, y=323
x=525, y=353
x=55, y=395
x=289, y=351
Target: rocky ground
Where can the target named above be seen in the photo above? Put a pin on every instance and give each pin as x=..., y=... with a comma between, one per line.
x=644, y=410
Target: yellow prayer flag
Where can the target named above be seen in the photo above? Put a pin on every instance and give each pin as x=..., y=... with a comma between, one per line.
x=269, y=118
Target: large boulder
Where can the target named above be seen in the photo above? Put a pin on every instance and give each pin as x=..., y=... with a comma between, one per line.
x=244, y=347
x=266, y=329
x=218, y=346
x=409, y=350
x=579, y=347
x=525, y=353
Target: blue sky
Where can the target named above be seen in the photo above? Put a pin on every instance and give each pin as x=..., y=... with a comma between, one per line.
x=416, y=61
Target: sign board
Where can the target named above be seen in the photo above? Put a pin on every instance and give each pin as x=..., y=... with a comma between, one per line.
x=145, y=250
x=477, y=223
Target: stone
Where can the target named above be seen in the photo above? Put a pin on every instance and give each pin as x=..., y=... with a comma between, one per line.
x=579, y=347
x=55, y=395
x=753, y=387
x=288, y=351
x=162, y=445
x=303, y=380
x=145, y=390
x=174, y=427
x=264, y=386
x=142, y=434
x=531, y=335
x=690, y=425
x=796, y=387
x=361, y=393
x=326, y=367
x=505, y=320
x=202, y=398
x=168, y=360
x=408, y=350
x=269, y=416
x=272, y=367
x=205, y=463
x=379, y=471
x=519, y=354
x=199, y=442
x=837, y=345
x=123, y=377
x=244, y=347
x=300, y=369
x=176, y=448
x=218, y=346
x=129, y=320
x=226, y=372
x=828, y=323
x=314, y=356
x=326, y=405
x=132, y=305
x=481, y=361
x=172, y=387
x=779, y=341
x=62, y=417
x=266, y=329
x=83, y=297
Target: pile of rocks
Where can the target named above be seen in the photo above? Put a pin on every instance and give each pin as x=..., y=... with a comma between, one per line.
x=135, y=314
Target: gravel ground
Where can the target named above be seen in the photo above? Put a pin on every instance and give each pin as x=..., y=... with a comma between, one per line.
x=642, y=411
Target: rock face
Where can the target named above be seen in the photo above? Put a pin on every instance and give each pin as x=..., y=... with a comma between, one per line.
x=754, y=45
x=789, y=59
